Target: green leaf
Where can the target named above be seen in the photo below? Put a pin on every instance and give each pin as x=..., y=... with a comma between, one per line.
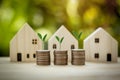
x=44, y=37
x=79, y=35
x=57, y=38
x=61, y=40
x=40, y=36
x=75, y=34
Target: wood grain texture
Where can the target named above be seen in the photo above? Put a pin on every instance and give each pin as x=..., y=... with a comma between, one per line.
x=22, y=43
x=69, y=40
x=107, y=44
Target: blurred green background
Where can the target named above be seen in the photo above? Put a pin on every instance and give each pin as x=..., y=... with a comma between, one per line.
x=46, y=16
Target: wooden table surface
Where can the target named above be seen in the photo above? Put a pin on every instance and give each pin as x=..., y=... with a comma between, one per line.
x=31, y=71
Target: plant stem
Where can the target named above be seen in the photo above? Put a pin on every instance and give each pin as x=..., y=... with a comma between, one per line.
x=60, y=46
x=43, y=45
x=79, y=44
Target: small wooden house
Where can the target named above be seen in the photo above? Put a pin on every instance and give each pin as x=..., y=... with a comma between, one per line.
x=101, y=47
x=68, y=43
x=24, y=44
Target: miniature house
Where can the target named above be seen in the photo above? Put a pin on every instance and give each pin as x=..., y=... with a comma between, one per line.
x=24, y=44
x=101, y=47
x=68, y=43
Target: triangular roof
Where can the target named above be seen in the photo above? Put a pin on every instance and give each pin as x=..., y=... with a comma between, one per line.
x=26, y=26
x=100, y=30
x=62, y=28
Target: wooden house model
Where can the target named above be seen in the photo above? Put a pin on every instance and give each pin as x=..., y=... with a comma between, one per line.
x=68, y=43
x=24, y=44
x=101, y=47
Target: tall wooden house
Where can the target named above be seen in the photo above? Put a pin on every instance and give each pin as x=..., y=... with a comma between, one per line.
x=24, y=44
x=101, y=47
x=68, y=43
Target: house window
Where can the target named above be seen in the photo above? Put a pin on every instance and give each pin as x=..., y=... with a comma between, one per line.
x=34, y=41
x=72, y=46
x=34, y=56
x=28, y=55
x=96, y=55
x=54, y=46
x=96, y=40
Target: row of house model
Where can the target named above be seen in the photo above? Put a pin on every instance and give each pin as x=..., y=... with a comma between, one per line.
x=99, y=46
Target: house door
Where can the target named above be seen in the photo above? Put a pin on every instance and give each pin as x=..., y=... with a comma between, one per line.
x=108, y=57
x=19, y=57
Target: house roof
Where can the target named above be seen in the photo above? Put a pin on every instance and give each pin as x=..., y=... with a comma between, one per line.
x=100, y=30
x=26, y=26
x=60, y=30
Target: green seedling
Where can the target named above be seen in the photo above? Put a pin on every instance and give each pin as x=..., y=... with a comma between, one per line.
x=60, y=40
x=43, y=38
x=77, y=35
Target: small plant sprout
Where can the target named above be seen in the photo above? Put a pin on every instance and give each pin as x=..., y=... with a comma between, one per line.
x=43, y=39
x=60, y=40
x=77, y=35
